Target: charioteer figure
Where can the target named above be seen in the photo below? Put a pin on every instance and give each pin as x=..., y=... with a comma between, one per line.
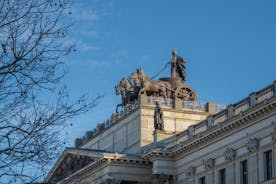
x=178, y=67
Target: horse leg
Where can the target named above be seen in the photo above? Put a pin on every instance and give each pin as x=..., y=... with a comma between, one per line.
x=119, y=105
x=163, y=90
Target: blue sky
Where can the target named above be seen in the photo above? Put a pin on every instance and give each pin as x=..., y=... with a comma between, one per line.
x=229, y=46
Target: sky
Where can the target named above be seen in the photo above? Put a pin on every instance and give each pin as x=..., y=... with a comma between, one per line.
x=229, y=46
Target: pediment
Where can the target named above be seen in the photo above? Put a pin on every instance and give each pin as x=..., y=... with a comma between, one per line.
x=71, y=161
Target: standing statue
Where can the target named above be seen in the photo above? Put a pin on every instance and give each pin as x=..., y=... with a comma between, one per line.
x=178, y=67
x=158, y=117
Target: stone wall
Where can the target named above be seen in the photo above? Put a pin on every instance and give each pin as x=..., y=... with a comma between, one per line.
x=135, y=130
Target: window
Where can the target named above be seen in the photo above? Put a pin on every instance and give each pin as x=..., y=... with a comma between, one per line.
x=268, y=165
x=244, y=172
x=222, y=176
x=202, y=180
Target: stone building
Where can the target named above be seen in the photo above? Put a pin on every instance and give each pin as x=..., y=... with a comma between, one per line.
x=188, y=143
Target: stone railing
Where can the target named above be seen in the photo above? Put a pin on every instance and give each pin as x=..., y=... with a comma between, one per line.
x=219, y=118
x=184, y=105
x=102, y=126
x=165, y=102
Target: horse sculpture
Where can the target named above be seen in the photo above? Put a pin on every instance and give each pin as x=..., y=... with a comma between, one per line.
x=128, y=92
x=160, y=88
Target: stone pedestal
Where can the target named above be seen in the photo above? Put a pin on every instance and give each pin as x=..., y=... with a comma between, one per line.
x=159, y=135
x=143, y=100
x=211, y=107
x=178, y=104
x=252, y=100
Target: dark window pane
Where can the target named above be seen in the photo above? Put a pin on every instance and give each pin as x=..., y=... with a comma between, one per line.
x=202, y=180
x=222, y=176
x=268, y=165
x=244, y=172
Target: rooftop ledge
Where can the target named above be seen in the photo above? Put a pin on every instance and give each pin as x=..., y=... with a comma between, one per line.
x=219, y=113
x=217, y=120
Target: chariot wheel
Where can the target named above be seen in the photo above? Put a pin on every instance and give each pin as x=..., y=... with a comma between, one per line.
x=185, y=93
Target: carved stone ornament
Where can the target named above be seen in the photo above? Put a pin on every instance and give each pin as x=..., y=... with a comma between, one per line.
x=252, y=145
x=229, y=154
x=190, y=172
x=209, y=164
x=273, y=136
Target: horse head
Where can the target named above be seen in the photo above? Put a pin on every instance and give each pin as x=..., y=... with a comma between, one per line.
x=141, y=74
x=117, y=89
x=134, y=76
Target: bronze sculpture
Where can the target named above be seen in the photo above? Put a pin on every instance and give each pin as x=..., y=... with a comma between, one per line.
x=174, y=87
x=178, y=67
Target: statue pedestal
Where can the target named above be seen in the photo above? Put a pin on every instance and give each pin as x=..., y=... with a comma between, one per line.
x=160, y=135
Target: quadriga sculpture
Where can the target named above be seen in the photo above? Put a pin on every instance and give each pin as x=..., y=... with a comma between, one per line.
x=147, y=85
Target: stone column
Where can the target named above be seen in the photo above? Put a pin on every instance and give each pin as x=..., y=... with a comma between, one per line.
x=229, y=156
x=273, y=140
x=190, y=175
x=253, y=165
x=230, y=173
x=253, y=168
x=209, y=167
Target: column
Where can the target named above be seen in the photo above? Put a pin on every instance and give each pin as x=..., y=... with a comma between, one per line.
x=253, y=168
x=253, y=165
x=209, y=167
x=229, y=156
x=230, y=173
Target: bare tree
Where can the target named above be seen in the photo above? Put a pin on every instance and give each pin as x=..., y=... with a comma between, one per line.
x=33, y=39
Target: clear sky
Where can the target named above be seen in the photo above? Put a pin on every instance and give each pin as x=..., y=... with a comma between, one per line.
x=229, y=46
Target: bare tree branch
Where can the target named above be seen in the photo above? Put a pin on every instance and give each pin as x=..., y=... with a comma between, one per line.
x=33, y=39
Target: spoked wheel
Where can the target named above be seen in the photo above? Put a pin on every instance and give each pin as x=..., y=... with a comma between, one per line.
x=185, y=93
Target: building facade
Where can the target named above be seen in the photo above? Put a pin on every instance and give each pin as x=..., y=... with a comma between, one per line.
x=177, y=141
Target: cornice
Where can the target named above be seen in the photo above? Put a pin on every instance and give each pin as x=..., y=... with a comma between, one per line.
x=104, y=162
x=215, y=133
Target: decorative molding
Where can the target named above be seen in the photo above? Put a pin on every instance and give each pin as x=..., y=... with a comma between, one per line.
x=209, y=164
x=190, y=172
x=229, y=126
x=229, y=154
x=252, y=145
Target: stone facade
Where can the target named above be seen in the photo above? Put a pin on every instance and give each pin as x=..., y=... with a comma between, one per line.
x=197, y=145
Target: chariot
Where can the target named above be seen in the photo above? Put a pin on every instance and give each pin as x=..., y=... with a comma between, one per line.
x=173, y=87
